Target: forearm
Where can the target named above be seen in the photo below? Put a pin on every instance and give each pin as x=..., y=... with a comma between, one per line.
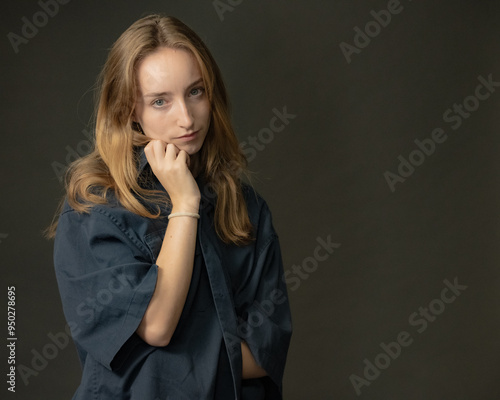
x=175, y=267
x=250, y=368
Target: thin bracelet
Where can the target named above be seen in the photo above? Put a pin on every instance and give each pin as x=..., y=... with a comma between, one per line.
x=184, y=214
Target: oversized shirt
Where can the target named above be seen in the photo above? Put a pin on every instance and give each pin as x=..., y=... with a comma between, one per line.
x=105, y=263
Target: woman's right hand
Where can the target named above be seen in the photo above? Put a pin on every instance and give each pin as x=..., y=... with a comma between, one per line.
x=176, y=257
x=171, y=167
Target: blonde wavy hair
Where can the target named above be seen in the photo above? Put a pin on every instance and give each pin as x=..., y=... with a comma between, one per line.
x=113, y=163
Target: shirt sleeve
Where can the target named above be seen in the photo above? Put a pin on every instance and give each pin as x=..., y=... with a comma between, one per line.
x=106, y=282
x=265, y=321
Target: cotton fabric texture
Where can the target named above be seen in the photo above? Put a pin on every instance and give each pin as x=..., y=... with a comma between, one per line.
x=106, y=272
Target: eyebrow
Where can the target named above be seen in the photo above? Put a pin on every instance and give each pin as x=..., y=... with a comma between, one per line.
x=160, y=94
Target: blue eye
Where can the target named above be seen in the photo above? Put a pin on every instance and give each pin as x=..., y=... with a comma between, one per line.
x=196, y=91
x=159, y=102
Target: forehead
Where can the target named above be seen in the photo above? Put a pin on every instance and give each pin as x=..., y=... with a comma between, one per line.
x=167, y=70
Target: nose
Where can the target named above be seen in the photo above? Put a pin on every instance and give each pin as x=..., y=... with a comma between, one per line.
x=184, y=116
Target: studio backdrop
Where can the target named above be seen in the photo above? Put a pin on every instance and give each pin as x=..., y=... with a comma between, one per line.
x=372, y=128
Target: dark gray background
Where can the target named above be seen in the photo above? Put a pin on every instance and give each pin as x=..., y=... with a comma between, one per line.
x=323, y=175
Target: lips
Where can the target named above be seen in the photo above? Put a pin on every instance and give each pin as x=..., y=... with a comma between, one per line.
x=188, y=136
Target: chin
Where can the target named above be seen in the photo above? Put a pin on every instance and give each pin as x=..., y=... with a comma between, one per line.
x=191, y=149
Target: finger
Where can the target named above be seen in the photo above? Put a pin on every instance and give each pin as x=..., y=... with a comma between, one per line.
x=183, y=157
x=171, y=151
x=148, y=146
x=155, y=152
x=159, y=150
x=149, y=151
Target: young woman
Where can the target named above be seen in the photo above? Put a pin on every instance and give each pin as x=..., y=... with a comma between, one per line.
x=168, y=265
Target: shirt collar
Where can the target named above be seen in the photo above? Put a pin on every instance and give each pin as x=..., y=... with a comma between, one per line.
x=143, y=161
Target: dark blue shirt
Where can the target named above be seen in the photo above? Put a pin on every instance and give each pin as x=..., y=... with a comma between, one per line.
x=105, y=264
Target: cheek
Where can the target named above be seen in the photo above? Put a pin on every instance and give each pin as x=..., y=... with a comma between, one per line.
x=155, y=119
x=205, y=113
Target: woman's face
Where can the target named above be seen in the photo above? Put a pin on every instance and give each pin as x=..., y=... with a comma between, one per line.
x=172, y=104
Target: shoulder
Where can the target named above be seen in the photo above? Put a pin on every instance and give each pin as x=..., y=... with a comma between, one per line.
x=259, y=213
x=110, y=212
x=256, y=204
x=101, y=221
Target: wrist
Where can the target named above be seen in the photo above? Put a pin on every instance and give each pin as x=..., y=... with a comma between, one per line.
x=186, y=207
x=184, y=214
